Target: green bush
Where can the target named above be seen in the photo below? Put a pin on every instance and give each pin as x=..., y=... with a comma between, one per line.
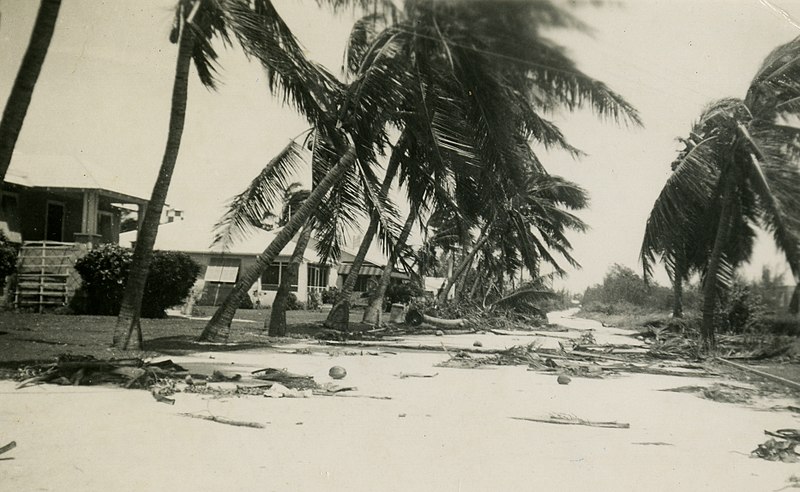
x=291, y=302
x=329, y=296
x=172, y=275
x=8, y=259
x=740, y=310
x=105, y=270
x=401, y=292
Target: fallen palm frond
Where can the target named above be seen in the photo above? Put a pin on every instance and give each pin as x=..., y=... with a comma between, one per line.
x=562, y=419
x=86, y=370
x=223, y=420
x=720, y=392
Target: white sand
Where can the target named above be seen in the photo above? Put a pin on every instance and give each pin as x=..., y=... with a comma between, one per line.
x=455, y=434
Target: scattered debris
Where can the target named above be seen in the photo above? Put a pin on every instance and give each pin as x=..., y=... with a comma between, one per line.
x=86, y=370
x=772, y=377
x=286, y=378
x=779, y=447
x=337, y=372
x=404, y=375
x=794, y=483
x=563, y=419
x=161, y=398
x=218, y=376
x=721, y=392
x=278, y=390
x=223, y=420
x=564, y=379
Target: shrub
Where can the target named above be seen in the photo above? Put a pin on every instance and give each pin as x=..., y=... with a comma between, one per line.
x=104, y=272
x=401, y=292
x=246, y=303
x=291, y=302
x=8, y=259
x=172, y=276
x=740, y=310
x=329, y=296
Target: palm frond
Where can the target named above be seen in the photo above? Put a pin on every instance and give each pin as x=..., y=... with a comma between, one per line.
x=246, y=211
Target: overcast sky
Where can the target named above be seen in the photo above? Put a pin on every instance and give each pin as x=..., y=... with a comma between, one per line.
x=104, y=96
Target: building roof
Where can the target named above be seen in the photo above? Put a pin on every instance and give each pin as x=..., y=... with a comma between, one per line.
x=194, y=237
x=66, y=171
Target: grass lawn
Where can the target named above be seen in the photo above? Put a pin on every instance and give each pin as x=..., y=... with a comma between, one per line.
x=27, y=336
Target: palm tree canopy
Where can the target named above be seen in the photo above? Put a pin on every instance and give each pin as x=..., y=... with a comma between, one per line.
x=746, y=145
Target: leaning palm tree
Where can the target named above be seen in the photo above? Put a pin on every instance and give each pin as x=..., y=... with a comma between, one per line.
x=465, y=87
x=293, y=199
x=264, y=36
x=744, y=166
x=22, y=90
x=528, y=228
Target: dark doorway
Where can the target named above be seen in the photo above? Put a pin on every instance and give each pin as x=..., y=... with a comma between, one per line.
x=55, y=222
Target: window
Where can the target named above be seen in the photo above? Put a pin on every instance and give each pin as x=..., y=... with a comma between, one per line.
x=318, y=275
x=271, y=278
x=223, y=270
x=364, y=283
x=9, y=211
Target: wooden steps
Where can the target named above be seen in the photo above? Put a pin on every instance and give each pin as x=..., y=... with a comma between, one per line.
x=46, y=276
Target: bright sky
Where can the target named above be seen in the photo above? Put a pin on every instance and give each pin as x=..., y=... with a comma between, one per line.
x=104, y=96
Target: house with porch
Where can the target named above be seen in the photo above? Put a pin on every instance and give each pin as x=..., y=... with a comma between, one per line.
x=57, y=207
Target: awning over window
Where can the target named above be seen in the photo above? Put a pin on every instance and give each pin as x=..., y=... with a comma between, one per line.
x=222, y=273
x=371, y=271
x=365, y=270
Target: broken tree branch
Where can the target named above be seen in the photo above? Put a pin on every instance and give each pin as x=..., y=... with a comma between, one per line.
x=763, y=374
x=570, y=421
x=223, y=420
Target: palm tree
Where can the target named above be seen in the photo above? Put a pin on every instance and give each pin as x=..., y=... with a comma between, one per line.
x=463, y=88
x=22, y=90
x=375, y=305
x=264, y=36
x=745, y=165
x=339, y=316
x=293, y=199
x=527, y=228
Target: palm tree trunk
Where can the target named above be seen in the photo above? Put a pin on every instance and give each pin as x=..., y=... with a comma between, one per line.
x=475, y=285
x=710, y=285
x=462, y=266
x=277, y=317
x=677, y=296
x=218, y=328
x=22, y=91
x=130, y=310
x=375, y=305
x=339, y=316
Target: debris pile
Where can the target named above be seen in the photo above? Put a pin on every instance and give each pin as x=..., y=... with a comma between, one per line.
x=86, y=370
x=780, y=446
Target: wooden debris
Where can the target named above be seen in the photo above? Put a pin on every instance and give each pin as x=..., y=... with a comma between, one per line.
x=787, y=382
x=223, y=420
x=404, y=375
x=162, y=399
x=561, y=420
x=8, y=447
